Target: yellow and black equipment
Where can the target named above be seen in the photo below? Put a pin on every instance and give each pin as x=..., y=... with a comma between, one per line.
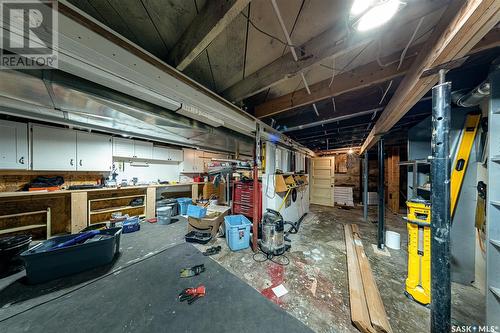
x=418, y=282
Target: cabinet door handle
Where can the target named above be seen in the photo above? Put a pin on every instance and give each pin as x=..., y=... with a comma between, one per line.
x=81, y=162
x=21, y=160
x=71, y=162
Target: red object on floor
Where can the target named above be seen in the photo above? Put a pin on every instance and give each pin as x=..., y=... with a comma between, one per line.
x=152, y=220
x=277, y=274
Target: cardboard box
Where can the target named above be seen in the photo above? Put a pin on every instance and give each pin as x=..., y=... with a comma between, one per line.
x=209, y=224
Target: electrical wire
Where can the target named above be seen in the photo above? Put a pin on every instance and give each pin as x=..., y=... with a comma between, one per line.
x=271, y=258
x=268, y=34
x=410, y=41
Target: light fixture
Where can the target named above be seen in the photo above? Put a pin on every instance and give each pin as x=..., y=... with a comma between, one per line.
x=370, y=14
x=350, y=151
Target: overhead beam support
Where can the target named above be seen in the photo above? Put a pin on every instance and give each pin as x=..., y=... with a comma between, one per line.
x=214, y=17
x=358, y=78
x=332, y=42
x=462, y=26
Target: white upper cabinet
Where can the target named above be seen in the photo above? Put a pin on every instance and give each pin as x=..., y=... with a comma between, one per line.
x=167, y=154
x=132, y=148
x=143, y=150
x=175, y=155
x=94, y=152
x=13, y=145
x=54, y=149
x=160, y=153
x=188, y=163
x=123, y=147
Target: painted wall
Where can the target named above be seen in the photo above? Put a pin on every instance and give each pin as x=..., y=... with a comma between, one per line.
x=162, y=171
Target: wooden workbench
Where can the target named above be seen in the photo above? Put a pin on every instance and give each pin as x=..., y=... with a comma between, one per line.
x=70, y=212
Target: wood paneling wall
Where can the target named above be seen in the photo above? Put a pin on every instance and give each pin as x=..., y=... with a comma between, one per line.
x=12, y=181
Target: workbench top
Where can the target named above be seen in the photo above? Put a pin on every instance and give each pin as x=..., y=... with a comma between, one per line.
x=34, y=193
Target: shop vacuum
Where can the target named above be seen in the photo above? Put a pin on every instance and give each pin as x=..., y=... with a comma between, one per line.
x=274, y=241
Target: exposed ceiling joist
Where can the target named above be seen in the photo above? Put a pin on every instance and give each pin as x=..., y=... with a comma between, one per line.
x=332, y=42
x=355, y=79
x=461, y=27
x=214, y=17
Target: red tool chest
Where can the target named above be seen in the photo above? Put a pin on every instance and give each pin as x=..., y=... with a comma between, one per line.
x=243, y=201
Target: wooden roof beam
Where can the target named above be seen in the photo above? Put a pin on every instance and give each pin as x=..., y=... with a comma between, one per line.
x=214, y=17
x=462, y=26
x=358, y=78
x=332, y=42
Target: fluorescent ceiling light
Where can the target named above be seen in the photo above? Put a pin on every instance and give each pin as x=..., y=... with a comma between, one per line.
x=360, y=6
x=373, y=13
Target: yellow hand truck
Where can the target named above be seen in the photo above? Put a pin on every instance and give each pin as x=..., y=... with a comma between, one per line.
x=418, y=281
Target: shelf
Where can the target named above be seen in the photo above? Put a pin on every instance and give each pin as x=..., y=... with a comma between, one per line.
x=495, y=243
x=116, y=198
x=114, y=209
x=26, y=227
x=495, y=291
x=495, y=203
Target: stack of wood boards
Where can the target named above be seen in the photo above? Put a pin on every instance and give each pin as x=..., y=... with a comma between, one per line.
x=367, y=309
x=343, y=196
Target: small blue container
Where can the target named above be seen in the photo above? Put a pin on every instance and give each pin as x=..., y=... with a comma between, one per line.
x=237, y=232
x=183, y=205
x=196, y=211
x=131, y=225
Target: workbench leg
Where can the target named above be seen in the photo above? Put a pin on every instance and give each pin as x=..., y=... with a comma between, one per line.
x=150, y=202
x=78, y=211
x=194, y=192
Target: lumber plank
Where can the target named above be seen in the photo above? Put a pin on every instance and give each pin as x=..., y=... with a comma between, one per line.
x=360, y=316
x=462, y=26
x=376, y=309
x=357, y=78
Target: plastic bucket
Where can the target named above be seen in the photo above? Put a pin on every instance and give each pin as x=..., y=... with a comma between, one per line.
x=183, y=205
x=164, y=214
x=237, y=232
x=392, y=240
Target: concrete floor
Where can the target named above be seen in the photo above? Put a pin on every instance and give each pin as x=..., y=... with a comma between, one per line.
x=316, y=277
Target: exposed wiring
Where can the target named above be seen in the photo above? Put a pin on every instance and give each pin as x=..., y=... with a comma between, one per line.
x=268, y=34
x=333, y=73
x=385, y=93
x=410, y=41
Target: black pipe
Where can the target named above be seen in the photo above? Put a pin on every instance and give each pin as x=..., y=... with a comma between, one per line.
x=440, y=209
x=381, y=195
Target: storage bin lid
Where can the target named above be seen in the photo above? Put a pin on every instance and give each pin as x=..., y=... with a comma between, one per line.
x=164, y=209
x=9, y=242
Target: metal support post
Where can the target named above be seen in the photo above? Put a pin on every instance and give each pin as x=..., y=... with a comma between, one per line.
x=381, y=196
x=440, y=208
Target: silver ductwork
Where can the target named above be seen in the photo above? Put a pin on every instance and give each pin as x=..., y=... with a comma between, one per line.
x=65, y=100
x=473, y=97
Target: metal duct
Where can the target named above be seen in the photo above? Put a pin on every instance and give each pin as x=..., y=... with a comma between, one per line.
x=473, y=97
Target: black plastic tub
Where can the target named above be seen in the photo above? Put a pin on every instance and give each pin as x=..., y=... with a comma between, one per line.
x=10, y=248
x=44, y=262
